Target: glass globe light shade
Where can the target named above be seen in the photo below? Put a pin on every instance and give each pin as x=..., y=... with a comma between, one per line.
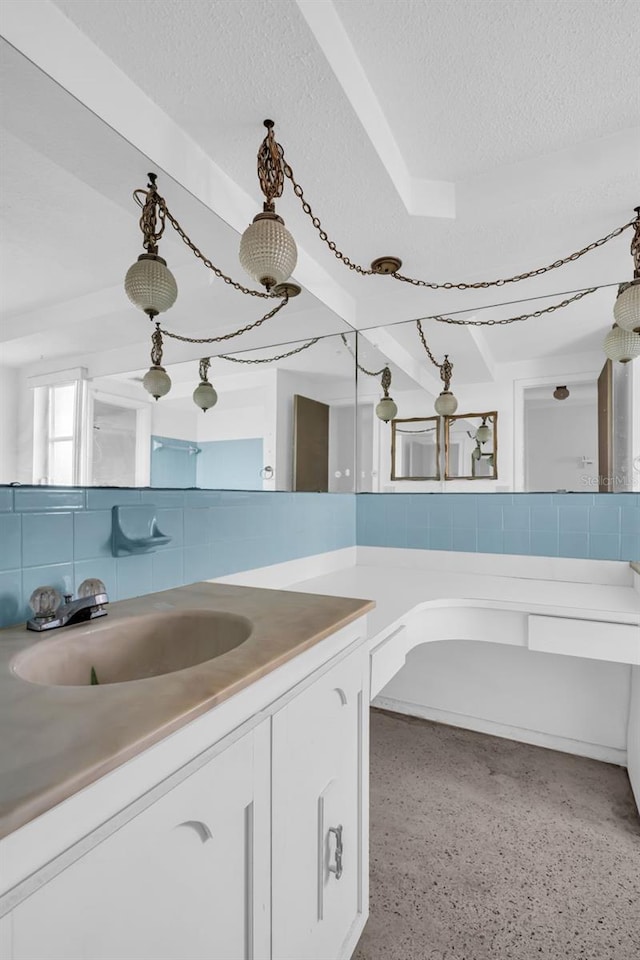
x=386, y=409
x=621, y=345
x=204, y=396
x=475, y=453
x=626, y=309
x=446, y=404
x=268, y=251
x=44, y=601
x=150, y=285
x=157, y=382
x=483, y=433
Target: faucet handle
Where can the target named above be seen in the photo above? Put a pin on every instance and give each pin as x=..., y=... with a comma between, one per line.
x=91, y=587
x=44, y=601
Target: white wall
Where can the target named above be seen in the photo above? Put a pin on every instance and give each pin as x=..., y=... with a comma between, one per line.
x=633, y=735
x=556, y=439
x=174, y=419
x=563, y=702
x=9, y=381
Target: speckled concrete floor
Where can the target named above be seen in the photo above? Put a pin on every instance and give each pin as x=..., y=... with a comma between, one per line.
x=487, y=849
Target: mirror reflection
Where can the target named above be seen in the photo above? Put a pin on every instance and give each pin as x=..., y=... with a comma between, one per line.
x=471, y=446
x=415, y=449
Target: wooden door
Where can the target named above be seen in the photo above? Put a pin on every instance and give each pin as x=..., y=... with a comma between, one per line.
x=310, y=445
x=605, y=428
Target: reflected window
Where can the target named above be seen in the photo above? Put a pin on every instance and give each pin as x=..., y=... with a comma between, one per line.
x=415, y=449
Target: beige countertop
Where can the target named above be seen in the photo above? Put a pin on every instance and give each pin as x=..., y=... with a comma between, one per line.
x=56, y=740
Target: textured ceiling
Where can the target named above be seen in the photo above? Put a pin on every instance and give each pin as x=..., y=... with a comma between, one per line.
x=528, y=114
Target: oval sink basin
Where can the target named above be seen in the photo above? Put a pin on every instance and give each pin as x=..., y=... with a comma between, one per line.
x=133, y=649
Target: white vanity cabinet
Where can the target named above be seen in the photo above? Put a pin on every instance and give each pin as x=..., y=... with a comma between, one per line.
x=319, y=816
x=235, y=855
x=186, y=878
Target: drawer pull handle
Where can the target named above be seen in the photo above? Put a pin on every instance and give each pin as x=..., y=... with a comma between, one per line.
x=337, y=868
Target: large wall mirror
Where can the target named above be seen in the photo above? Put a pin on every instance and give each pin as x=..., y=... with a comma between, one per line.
x=471, y=446
x=74, y=350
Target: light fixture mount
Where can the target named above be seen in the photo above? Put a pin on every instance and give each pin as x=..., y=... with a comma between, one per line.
x=286, y=289
x=386, y=265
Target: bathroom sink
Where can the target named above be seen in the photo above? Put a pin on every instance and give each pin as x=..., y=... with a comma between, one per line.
x=132, y=649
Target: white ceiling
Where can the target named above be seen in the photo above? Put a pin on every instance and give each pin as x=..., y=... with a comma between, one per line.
x=475, y=140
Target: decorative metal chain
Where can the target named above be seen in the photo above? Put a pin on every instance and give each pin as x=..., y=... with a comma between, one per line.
x=156, y=346
x=281, y=356
x=154, y=208
x=445, y=368
x=152, y=218
x=203, y=369
x=369, y=373
x=518, y=319
x=386, y=381
x=235, y=333
x=635, y=246
x=539, y=271
x=479, y=285
x=270, y=172
x=322, y=233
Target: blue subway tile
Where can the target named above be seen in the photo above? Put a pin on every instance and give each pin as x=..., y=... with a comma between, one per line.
x=534, y=499
x=516, y=517
x=440, y=517
x=167, y=569
x=544, y=518
x=465, y=512
x=418, y=538
x=499, y=499
x=573, y=500
x=48, y=498
x=11, y=605
x=440, y=539
x=489, y=515
x=197, y=526
x=10, y=541
x=46, y=538
x=614, y=499
x=630, y=520
x=573, y=544
x=163, y=498
x=465, y=539
x=134, y=576
x=104, y=498
x=6, y=499
x=198, y=563
x=604, y=520
x=92, y=534
x=517, y=541
x=574, y=519
x=544, y=543
x=490, y=541
x=630, y=547
x=604, y=546
x=58, y=575
x=104, y=568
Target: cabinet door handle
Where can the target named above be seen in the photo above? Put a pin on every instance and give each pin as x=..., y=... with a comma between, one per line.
x=337, y=867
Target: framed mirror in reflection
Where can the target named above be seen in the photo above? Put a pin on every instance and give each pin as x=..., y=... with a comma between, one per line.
x=415, y=448
x=471, y=446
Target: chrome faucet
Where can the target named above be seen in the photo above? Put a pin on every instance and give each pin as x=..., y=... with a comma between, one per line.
x=50, y=611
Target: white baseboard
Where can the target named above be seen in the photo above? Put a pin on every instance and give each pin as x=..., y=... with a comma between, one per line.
x=594, y=751
x=608, y=572
x=279, y=576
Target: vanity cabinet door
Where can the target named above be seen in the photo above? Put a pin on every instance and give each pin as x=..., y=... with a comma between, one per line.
x=319, y=804
x=187, y=878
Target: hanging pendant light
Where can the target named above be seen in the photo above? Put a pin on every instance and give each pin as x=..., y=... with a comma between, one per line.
x=267, y=250
x=626, y=310
x=204, y=395
x=621, y=345
x=446, y=404
x=483, y=433
x=387, y=408
x=156, y=380
x=149, y=283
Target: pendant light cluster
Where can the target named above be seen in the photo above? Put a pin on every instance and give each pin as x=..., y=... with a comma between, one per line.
x=387, y=408
x=622, y=343
x=268, y=254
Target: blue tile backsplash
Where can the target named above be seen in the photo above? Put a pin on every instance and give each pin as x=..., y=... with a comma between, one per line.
x=60, y=537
